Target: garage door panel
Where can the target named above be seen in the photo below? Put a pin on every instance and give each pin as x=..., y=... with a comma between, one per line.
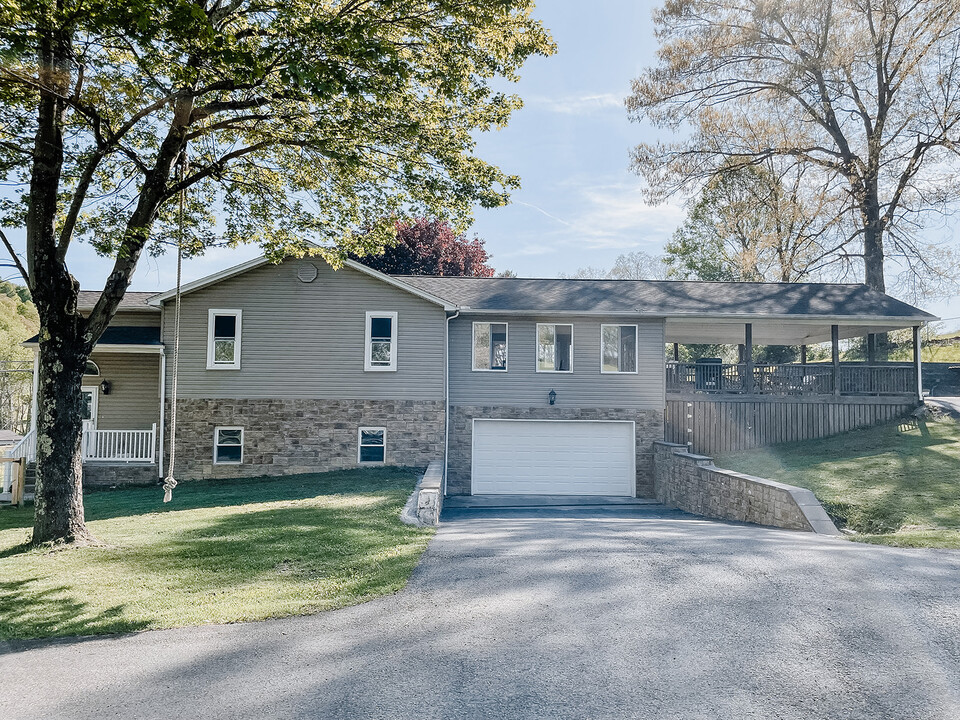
x=553, y=457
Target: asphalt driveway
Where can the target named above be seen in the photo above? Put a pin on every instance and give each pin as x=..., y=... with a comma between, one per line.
x=632, y=612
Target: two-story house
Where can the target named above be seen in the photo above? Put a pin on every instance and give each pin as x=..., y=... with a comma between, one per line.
x=519, y=385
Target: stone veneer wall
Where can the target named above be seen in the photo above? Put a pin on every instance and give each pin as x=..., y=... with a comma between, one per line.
x=649, y=427
x=693, y=483
x=108, y=474
x=283, y=437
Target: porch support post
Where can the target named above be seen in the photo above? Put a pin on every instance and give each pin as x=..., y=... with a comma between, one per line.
x=676, y=352
x=36, y=389
x=835, y=354
x=871, y=359
x=748, y=356
x=803, y=354
x=917, y=365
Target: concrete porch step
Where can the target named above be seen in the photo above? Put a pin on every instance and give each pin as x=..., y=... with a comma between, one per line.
x=539, y=501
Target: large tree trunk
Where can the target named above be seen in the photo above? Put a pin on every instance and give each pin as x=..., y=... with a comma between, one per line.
x=872, y=239
x=59, y=499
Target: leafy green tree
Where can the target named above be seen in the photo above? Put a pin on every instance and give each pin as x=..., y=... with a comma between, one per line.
x=755, y=224
x=306, y=120
x=863, y=94
x=18, y=321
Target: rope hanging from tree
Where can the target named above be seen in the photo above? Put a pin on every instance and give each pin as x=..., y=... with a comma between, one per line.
x=168, y=482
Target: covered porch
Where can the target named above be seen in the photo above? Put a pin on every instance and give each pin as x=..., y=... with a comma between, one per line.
x=872, y=377
x=714, y=406
x=121, y=392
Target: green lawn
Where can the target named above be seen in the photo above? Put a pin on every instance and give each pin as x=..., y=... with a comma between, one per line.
x=222, y=551
x=897, y=484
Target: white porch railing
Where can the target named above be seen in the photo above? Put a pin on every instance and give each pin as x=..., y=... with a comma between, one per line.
x=133, y=446
x=26, y=448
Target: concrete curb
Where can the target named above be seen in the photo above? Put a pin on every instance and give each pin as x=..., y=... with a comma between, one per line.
x=423, y=507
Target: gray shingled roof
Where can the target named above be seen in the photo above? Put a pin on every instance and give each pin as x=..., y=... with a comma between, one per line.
x=131, y=300
x=666, y=298
x=122, y=335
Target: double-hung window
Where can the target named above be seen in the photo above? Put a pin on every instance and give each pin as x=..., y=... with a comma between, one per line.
x=228, y=445
x=371, y=444
x=554, y=348
x=223, y=339
x=381, y=342
x=618, y=348
x=490, y=346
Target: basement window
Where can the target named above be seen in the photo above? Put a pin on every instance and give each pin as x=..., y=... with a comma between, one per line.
x=490, y=346
x=223, y=339
x=372, y=445
x=228, y=445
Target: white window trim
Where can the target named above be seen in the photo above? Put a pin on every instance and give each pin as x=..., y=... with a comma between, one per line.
x=216, y=436
x=211, y=314
x=536, y=348
x=473, y=353
x=359, y=439
x=368, y=365
x=636, y=349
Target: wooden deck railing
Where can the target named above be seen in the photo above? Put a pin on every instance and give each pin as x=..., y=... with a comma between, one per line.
x=792, y=379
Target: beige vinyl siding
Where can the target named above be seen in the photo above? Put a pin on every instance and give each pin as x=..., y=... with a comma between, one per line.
x=306, y=340
x=585, y=387
x=134, y=399
x=136, y=318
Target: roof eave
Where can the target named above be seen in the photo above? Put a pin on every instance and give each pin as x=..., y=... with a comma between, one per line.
x=158, y=300
x=746, y=317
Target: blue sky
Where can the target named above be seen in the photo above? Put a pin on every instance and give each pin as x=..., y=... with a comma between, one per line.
x=579, y=203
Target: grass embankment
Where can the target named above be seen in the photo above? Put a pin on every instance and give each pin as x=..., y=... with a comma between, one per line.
x=222, y=551
x=897, y=484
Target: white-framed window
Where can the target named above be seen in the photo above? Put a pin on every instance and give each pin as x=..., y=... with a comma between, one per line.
x=223, y=339
x=618, y=348
x=490, y=346
x=554, y=348
x=228, y=445
x=380, y=342
x=91, y=368
x=371, y=445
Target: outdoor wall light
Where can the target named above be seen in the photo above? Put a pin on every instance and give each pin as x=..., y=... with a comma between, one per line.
x=105, y=387
x=553, y=396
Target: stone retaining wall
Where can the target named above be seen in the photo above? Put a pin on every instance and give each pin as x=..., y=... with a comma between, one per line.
x=107, y=475
x=649, y=427
x=693, y=483
x=284, y=437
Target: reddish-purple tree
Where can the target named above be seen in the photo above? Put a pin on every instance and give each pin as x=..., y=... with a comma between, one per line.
x=431, y=247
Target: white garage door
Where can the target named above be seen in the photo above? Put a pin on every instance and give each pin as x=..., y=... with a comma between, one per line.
x=553, y=457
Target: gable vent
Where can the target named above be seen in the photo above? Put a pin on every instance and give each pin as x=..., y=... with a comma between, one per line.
x=307, y=272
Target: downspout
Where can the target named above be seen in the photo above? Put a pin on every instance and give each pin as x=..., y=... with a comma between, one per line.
x=446, y=397
x=163, y=402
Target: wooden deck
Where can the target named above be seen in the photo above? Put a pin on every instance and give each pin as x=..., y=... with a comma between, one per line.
x=716, y=423
x=794, y=379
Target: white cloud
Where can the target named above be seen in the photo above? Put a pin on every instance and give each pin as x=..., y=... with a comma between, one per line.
x=612, y=216
x=576, y=104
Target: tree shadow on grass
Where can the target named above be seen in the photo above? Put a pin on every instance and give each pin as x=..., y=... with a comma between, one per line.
x=362, y=546
x=30, y=610
x=194, y=494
